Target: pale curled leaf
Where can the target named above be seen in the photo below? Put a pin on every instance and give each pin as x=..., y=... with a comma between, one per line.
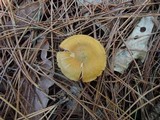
x=136, y=45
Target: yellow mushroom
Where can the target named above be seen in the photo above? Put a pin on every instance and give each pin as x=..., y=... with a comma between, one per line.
x=83, y=57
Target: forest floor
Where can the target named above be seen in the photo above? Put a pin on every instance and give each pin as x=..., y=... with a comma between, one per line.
x=32, y=86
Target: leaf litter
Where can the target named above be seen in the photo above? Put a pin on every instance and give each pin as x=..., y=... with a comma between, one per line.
x=33, y=87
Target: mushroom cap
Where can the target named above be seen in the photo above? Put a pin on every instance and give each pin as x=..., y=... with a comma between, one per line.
x=83, y=57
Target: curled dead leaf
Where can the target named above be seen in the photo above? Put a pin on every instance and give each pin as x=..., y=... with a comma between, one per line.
x=137, y=45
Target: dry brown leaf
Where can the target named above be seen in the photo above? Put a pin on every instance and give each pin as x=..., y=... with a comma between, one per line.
x=46, y=63
x=41, y=99
x=1, y=62
x=138, y=2
x=87, y=2
x=1, y=3
x=27, y=14
x=29, y=11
